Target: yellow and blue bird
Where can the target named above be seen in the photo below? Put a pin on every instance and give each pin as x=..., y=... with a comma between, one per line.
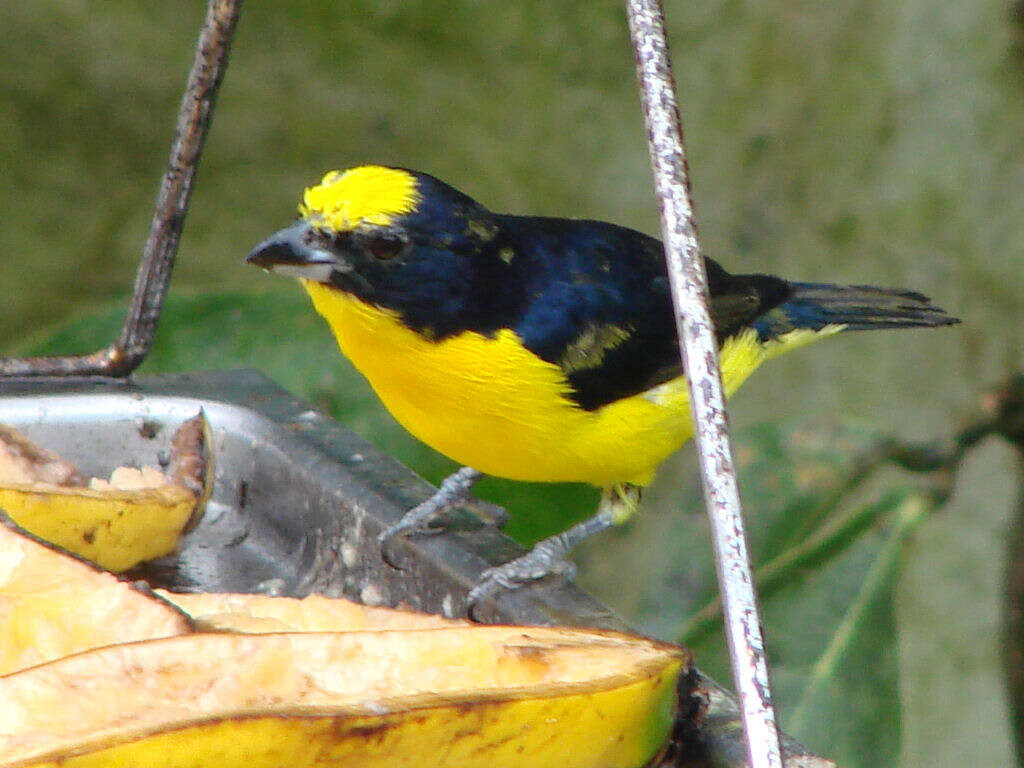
x=535, y=348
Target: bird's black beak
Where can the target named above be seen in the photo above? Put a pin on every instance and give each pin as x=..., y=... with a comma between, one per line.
x=299, y=252
x=289, y=246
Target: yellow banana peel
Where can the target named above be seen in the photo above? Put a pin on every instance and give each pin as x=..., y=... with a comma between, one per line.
x=52, y=605
x=135, y=516
x=459, y=696
x=114, y=529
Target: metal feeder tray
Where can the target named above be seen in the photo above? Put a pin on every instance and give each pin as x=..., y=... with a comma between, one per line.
x=297, y=504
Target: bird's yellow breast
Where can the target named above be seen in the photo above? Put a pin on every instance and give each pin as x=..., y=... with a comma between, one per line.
x=489, y=403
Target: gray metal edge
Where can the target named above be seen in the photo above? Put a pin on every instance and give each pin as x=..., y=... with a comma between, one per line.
x=102, y=422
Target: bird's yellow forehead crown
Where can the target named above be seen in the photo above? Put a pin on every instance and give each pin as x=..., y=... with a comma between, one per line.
x=370, y=194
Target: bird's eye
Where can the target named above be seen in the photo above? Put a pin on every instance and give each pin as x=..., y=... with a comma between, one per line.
x=384, y=245
x=339, y=240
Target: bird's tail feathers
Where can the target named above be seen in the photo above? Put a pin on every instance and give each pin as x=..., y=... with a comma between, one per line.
x=815, y=306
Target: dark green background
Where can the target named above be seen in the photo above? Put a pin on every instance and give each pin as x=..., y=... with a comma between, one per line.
x=852, y=141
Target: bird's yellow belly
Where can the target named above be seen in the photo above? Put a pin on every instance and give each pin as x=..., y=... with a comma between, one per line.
x=491, y=404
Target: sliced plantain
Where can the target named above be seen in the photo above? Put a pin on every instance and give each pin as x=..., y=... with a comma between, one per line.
x=213, y=612
x=467, y=697
x=136, y=515
x=52, y=605
x=115, y=529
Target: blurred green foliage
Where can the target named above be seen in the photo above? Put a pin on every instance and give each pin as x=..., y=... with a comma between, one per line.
x=828, y=557
x=854, y=141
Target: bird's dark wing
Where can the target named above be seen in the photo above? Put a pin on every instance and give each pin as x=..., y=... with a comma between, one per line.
x=601, y=310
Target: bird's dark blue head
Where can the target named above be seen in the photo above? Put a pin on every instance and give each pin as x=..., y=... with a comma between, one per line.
x=397, y=239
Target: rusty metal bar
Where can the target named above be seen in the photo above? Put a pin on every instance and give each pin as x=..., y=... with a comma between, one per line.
x=700, y=358
x=157, y=261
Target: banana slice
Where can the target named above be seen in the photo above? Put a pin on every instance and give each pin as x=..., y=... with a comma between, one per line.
x=52, y=605
x=460, y=696
x=135, y=515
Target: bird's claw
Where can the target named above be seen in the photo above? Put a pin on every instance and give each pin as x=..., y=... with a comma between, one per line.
x=421, y=519
x=545, y=559
x=385, y=539
x=492, y=514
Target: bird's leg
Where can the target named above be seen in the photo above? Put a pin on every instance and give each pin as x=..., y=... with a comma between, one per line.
x=453, y=491
x=548, y=556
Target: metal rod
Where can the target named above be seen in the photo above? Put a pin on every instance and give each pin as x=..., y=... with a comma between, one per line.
x=157, y=260
x=700, y=359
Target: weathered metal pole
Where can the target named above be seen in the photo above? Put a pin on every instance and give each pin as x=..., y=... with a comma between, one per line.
x=700, y=359
x=157, y=261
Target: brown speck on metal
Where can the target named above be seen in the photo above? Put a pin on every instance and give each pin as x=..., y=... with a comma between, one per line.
x=700, y=359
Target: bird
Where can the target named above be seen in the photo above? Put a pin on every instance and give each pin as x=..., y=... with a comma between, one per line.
x=535, y=348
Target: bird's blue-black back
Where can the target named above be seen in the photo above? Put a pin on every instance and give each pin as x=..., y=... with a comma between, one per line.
x=588, y=296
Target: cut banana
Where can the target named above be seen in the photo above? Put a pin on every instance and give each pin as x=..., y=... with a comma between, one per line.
x=52, y=605
x=135, y=515
x=474, y=696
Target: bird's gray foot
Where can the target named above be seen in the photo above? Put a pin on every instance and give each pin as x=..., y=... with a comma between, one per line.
x=421, y=519
x=546, y=559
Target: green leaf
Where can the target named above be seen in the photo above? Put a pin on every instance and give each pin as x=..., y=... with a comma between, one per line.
x=827, y=546
x=851, y=685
